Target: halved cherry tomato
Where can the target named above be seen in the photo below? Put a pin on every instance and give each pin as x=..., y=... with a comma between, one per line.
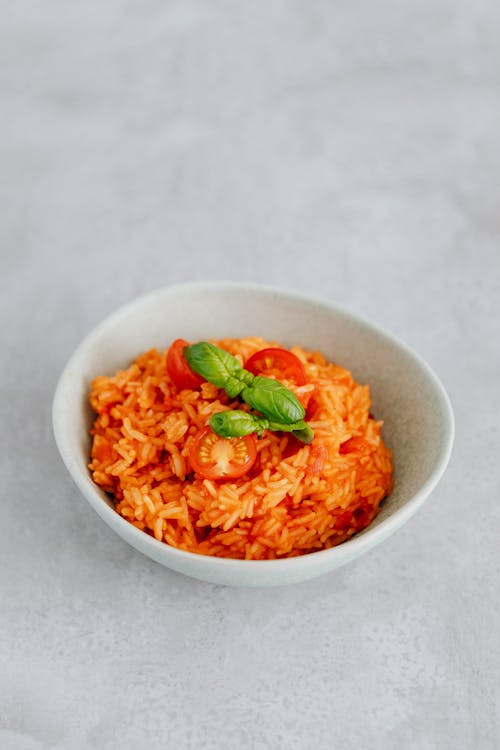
x=278, y=362
x=179, y=370
x=215, y=457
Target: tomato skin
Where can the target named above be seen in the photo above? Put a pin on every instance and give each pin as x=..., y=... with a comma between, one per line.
x=311, y=406
x=215, y=457
x=355, y=444
x=344, y=520
x=292, y=447
x=306, y=399
x=362, y=517
x=278, y=362
x=179, y=370
x=317, y=460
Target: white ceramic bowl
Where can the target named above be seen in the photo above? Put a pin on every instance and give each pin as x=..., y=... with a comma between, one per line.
x=406, y=394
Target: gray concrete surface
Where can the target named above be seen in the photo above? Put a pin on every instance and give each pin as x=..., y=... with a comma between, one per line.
x=348, y=150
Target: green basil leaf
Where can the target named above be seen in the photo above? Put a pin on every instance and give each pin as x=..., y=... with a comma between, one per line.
x=236, y=423
x=282, y=427
x=300, y=430
x=234, y=387
x=305, y=434
x=272, y=399
x=217, y=366
x=229, y=424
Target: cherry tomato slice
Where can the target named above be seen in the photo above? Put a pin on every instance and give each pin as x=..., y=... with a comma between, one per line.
x=278, y=362
x=179, y=370
x=215, y=457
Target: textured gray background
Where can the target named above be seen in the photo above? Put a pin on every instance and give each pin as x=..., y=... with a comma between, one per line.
x=345, y=149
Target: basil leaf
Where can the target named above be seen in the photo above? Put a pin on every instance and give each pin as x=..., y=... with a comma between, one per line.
x=300, y=430
x=281, y=427
x=230, y=424
x=305, y=434
x=234, y=387
x=272, y=399
x=217, y=366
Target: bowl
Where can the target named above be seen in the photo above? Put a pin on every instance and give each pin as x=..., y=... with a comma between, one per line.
x=406, y=394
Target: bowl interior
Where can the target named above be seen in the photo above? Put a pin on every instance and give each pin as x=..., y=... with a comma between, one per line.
x=405, y=392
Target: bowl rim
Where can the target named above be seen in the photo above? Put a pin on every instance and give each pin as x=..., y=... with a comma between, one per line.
x=342, y=553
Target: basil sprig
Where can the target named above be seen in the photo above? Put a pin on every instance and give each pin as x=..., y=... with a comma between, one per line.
x=237, y=423
x=279, y=407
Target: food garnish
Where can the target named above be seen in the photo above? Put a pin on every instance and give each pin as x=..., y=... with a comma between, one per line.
x=279, y=407
x=216, y=457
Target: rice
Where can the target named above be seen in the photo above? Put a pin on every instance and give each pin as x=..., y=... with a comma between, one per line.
x=296, y=499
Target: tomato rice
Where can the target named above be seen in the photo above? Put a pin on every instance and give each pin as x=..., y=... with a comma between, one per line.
x=296, y=498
